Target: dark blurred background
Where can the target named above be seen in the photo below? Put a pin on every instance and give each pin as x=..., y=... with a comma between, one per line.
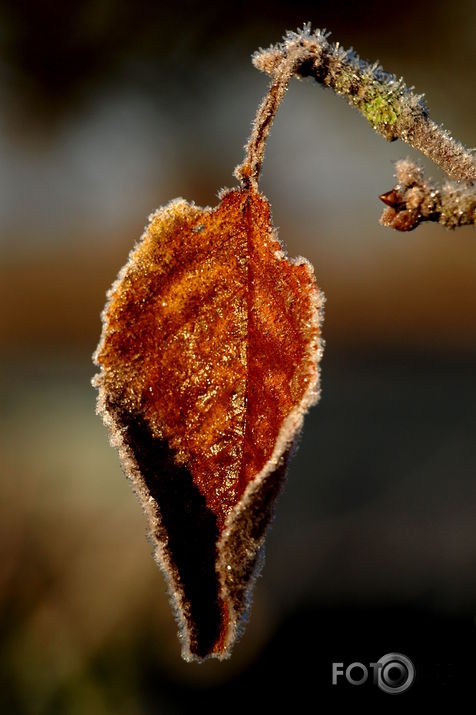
x=109, y=110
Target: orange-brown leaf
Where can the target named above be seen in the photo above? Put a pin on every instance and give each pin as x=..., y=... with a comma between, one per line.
x=209, y=359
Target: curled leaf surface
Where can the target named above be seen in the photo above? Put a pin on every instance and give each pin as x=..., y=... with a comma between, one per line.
x=208, y=361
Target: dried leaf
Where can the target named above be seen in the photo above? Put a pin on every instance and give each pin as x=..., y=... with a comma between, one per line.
x=209, y=359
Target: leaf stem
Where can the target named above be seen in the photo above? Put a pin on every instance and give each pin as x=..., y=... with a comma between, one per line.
x=248, y=172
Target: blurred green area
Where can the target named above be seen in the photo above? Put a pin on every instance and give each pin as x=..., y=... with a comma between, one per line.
x=108, y=111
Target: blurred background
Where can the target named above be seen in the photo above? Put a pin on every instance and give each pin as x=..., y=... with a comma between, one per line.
x=109, y=110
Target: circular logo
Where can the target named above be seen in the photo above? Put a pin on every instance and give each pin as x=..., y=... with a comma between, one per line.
x=396, y=673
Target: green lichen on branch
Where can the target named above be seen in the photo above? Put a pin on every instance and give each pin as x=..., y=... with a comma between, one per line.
x=383, y=100
x=379, y=111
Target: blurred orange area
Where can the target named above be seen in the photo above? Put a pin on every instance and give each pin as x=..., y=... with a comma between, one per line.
x=109, y=111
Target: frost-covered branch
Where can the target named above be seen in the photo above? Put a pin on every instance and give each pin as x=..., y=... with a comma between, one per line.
x=393, y=110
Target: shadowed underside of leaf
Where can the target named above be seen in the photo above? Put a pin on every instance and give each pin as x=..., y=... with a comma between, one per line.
x=209, y=359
